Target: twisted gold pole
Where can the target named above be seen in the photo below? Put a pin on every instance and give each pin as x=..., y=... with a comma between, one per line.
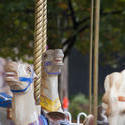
x=44, y=43
x=40, y=38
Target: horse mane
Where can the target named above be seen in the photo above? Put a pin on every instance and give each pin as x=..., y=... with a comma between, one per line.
x=11, y=66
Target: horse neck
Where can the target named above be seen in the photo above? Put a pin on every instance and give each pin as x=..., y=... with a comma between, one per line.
x=24, y=109
x=50, y=99
x=52, y=87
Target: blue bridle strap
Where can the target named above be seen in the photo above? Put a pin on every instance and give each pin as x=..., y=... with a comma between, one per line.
x=24, y=79
x=50, y=73
x=47, y=63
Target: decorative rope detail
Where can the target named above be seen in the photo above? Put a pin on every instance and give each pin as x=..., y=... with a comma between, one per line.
x=44, y=45
x=40, y=38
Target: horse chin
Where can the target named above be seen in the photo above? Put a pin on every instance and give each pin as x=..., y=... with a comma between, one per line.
x=59, y=65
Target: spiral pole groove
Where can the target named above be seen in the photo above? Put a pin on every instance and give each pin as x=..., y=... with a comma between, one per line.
x=40, y=38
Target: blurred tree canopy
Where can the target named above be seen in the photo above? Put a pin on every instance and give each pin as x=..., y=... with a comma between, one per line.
x=68, y=26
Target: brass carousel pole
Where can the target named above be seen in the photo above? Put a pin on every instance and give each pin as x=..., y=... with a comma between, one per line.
x=40, y=38
x=96, y=55
x=90, y=56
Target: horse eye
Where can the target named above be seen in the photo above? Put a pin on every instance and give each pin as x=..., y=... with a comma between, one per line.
x=28, y=69
x=45, y=56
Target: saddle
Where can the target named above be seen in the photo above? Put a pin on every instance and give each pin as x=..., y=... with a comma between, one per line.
x=57, y=118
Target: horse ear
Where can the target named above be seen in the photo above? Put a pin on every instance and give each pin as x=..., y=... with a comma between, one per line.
x=107, y=83
x=2, y=61
x=11, y=66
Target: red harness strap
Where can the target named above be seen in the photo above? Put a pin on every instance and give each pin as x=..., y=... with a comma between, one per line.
x=121, y=98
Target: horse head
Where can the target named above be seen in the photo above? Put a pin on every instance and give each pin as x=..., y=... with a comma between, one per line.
x=53, y=61
x=19, y=76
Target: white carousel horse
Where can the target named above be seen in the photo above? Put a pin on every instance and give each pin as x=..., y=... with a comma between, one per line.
x=114, y=98
x=20, y=79
x=5, y=96
x=52, y=64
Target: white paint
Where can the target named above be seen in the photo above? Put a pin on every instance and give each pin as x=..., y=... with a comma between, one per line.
x=51, y=80
x=5, y=89
x=115, y=87
x=24, y=110
x=3, y=117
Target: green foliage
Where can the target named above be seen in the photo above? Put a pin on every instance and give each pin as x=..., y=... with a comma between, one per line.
x=17, y=27
x=78, y=103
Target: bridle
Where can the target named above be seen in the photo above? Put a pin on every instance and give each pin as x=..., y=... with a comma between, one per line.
x=48, y=63
x=27, y=80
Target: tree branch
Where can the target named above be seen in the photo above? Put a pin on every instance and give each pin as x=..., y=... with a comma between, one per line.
x=75, y=34
x=72, y=14
x=71, y=41
x=114, y=12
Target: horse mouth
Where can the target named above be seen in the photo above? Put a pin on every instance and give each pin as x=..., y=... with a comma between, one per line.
x=59, y=60
x=10, y=74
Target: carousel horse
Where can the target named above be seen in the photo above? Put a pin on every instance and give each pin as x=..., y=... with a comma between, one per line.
x=5, y=96
x=52, y=64
x=24, y=111
x=114, y=98
x=50, y=102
